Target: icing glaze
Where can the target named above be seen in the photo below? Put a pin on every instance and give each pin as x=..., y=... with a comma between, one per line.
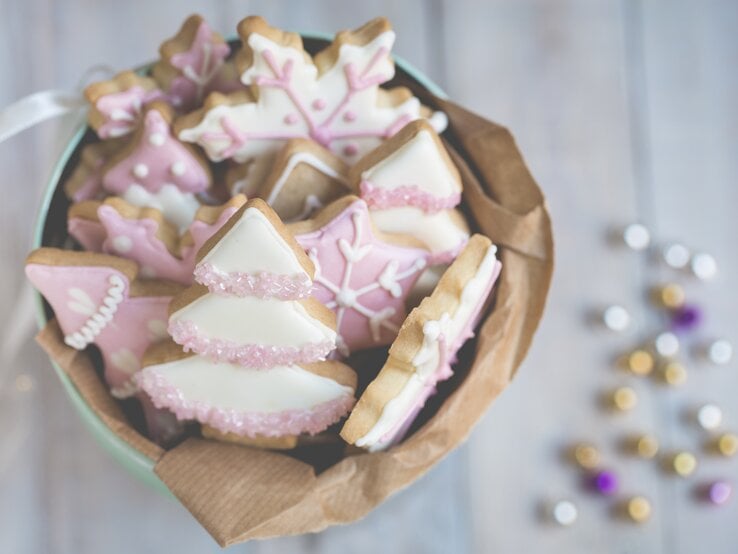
x=89, y=233
x=281, y=401
x=261, y=285
x=258, y=332
x=88, y=312
x=177, y=207
x=406, y=195
x=442, y=338
x=289, y=89
x=122, y=110
x=364, y=280
x=199, y=67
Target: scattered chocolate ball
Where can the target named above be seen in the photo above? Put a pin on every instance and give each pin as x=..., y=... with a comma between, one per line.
x=719, y=492
x=669, y=296
x=683, y=464
x=640, y=362
x=675, y=255
x=616, y=318
x=586, y=456
x=638, y=509
x=709, y=417
x=624, y=399
x=703, y=266
x=636, y=236
x=564, y=513
x=605, y=482
x=666, y=344
x=674, y=374
x=720, y=352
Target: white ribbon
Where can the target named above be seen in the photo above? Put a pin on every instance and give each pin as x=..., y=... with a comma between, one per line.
x=38, y=107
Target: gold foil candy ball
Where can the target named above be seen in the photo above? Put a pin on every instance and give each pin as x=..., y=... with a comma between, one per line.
x=684, y=464
x=586, y=456
x=674, y=374
x=727, y=444
x=670, y=296
x=640, y=362
x=646, y=446
x=638, y=509
x=624, y=399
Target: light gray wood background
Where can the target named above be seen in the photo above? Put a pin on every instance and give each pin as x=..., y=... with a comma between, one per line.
x=625, y=110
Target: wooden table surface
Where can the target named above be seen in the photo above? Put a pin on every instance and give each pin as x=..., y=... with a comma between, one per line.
x=625, y=110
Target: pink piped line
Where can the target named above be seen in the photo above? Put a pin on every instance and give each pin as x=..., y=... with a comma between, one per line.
x=406, y=195
x=257, y=356
x=289, y=422
x=260, y=285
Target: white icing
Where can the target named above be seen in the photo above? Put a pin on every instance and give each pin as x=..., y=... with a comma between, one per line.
x=125, y=360
x=439, y=121
x=253, y=245
x=126, y=390
x=176, y=206
x=438, y=231
x=157, y=329
x=348, y=298
x=251, y=320
x=122, y=244
x=417, y=162
x=302, y=158
x=426, y=360
x=140, y=170
x=311, y=205
x=100, y=317
x=178, y=169
x=209, y=68
x=233, y=387
x=157, y=139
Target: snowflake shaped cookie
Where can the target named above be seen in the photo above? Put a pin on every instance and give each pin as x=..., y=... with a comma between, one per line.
x=333, y=98
x=360, y=274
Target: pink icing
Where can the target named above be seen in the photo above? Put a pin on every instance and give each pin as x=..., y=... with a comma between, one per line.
x=200, y=67
x=261, y=285
x=89, y=233
x=122, y=110
x=351, y=149
x=349, y=116
x=157, y=152
x=258, y=356
x=379, y=198
x=289, y=422
x=76, y=292
x=350, y=263
x=444, y=370
x=319, y=104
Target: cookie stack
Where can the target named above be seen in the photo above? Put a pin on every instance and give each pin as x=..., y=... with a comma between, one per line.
x=250, y=220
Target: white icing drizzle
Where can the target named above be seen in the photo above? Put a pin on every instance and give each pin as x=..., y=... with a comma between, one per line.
x=101, y=317
x=312, y=204
x=296, y=159
x=436, y=333
x=348, y=298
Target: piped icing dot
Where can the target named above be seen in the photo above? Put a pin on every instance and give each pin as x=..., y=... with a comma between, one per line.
x=350, y=149
x=141, y=170
x=290, y=118
x=122, y=244
x=156, y=139
x=178, y=169
x=349, y=116
x=318, y=104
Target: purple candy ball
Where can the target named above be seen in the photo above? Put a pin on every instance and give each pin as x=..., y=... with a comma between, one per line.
x=687, y=318
x=606, y=482
x=719, y=492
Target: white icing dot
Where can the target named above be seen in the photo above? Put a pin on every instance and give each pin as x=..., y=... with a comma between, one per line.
x=147, y=272
x=140, y=170
x=157, y=328
x=156, y=139
x=178, y=169
x=122, y=244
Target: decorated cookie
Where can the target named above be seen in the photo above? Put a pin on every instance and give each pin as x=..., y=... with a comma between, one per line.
x=425, y=349
x=85, y=182
x=144, y=236
x=193, y=64
x=305, y=177
x=259, y=407
x=360, y=273
x=411, y=186
x=333, y=99
x=116, y=105
x=252, y=305
x=155, y=170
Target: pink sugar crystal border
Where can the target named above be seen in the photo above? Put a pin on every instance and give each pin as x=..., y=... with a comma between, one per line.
x=261, y=285
x=406, y=195
x=289, y=422
x=258, y=356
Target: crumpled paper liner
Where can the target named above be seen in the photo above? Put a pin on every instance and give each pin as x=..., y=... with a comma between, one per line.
x=239, y=493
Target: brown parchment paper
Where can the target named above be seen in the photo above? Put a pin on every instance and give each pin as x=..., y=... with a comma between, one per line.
x=239, y=493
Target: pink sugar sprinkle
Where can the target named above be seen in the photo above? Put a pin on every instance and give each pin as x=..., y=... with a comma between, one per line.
x=259, y=356
x=261, y=285
x=289, y=422
x=351, y=149
x=349, y=116
x=406, y=195
x=318, y=104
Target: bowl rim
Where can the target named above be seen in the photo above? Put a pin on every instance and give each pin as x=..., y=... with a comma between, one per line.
x=138, y=464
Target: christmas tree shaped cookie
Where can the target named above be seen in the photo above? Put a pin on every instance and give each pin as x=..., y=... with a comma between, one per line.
x=144, y=236
x=332, y=98
x=412, y=186
x=255, y=372
x=252, y=304
x=155, y=170
x=425, y=348
x=362, y=274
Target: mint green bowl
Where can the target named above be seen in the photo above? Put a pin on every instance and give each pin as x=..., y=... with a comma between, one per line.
x=139, y=465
